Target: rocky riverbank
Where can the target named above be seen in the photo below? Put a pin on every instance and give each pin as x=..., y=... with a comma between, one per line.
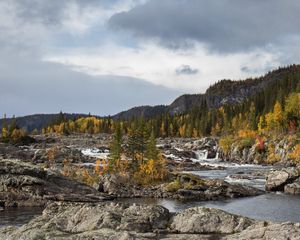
x=123, y=221
x=23, y=184
x=180, y=153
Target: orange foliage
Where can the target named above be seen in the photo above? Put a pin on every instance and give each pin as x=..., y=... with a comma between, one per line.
x=295, y=155
x=247, y=133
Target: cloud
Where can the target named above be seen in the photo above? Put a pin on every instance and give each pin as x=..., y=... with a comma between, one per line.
x=67, y=55
x=157, y=64
x=225, y=26
x=186, y=70
x=30, y=86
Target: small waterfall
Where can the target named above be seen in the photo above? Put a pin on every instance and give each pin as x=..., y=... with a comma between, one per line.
x=201, y=155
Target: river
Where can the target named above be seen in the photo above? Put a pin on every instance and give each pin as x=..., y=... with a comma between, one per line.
x=271, y=206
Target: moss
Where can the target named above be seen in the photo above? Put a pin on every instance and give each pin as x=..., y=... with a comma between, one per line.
x=185, y=181
x=173, y=186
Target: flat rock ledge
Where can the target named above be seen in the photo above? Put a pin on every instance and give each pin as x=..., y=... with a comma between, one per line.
x=23, y=184
x=112, y=221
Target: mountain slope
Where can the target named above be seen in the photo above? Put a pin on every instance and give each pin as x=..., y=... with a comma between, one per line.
x=219, y=94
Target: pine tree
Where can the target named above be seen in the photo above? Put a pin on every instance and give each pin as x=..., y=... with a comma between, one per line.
x=151, y=150
x=136, y=145
x=114, y=157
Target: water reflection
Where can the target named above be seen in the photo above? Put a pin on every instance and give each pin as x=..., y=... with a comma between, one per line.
x=18, y=216
x=272, y=207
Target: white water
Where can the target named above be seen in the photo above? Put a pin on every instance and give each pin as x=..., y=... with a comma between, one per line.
x=95, y=153
x=247, y=174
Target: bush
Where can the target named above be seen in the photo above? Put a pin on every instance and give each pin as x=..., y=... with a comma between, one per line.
x=246, y=143
x=225, y=144
x=272, y=156
x=295, y=154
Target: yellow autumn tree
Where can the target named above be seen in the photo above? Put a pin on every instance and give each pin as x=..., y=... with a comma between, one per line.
x=275, y=119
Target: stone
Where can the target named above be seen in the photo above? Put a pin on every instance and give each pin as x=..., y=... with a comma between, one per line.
x=293, y=188
x=276, y=180
x=269, y=230
x=92, y=221
x=199, y=220
x=24, y=184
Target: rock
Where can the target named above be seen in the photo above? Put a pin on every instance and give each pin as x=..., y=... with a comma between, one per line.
x=115, y=221
x=117, y=185
x=23, y=184
x=269, y=230
x=181, y=186
x=199, y=220
x=192, y=187
x=276, y=180
x=293, y=188
x=93, y=221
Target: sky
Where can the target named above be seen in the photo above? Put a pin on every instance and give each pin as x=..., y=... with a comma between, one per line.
x=106, y=56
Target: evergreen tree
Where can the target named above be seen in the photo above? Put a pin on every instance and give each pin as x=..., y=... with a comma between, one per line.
x=136, y=145
x=114, y=157
x=151, y=150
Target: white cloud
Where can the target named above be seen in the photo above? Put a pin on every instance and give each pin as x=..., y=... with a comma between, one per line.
x=158, y=65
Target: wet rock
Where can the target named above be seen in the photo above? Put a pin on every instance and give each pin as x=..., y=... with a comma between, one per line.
x=23, y=184
x=276, y=180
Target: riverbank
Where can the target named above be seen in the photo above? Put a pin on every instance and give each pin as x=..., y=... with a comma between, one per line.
x=213, y=183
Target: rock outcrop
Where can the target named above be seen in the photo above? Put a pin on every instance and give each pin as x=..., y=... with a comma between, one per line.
x=181, y=186
x=287, y=180
x=199, y=220
x=23, y=184
x=269, y=231
x=114, y=221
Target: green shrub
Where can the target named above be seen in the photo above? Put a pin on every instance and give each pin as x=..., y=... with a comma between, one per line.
x=246, y=143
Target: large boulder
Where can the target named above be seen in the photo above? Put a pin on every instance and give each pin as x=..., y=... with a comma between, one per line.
x=276, y=180
x=208, y=220
x=23, y=184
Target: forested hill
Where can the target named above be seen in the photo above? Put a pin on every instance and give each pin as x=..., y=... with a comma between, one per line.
x=226, y=92
x=39, y=121
x=202, y=109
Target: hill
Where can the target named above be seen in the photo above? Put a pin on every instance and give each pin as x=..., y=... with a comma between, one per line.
x=39, y=121
x=221, y=93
